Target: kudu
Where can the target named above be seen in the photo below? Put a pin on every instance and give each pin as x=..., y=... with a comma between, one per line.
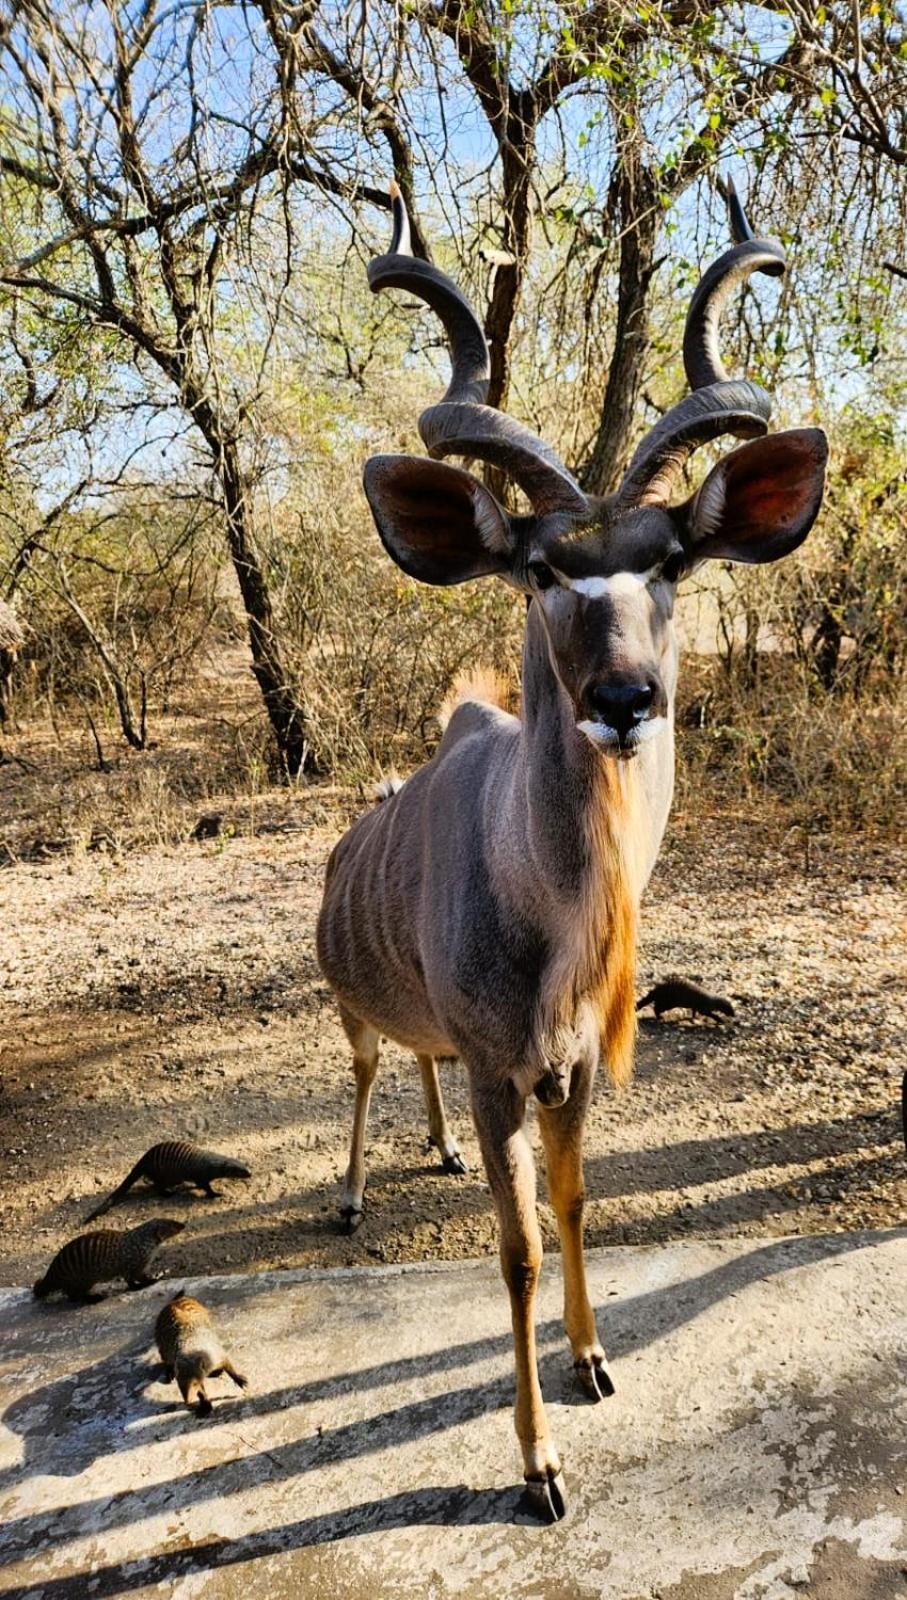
x=488, y=909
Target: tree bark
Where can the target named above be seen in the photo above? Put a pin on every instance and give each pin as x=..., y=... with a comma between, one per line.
x=286, y=714
x=639, y=216
x=517, y=160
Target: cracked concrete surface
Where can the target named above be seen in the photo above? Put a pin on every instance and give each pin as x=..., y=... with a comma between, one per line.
x=755, y=1449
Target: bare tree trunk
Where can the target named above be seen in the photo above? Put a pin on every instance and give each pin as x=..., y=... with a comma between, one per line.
x=134, y=728
x=826, y=644
x=517, y=163
x=639, y=219
x=751, y=648
x=284, y=710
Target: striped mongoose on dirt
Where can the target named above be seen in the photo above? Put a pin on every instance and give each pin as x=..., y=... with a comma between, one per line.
x=98, y=1257
x=675, y=993
x=165, y=1165
x=191, y=1350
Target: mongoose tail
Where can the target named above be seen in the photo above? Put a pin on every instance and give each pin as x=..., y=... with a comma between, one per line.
x=133, y=1177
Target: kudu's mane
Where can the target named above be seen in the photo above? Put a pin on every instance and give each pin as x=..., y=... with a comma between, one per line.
x=478, y=683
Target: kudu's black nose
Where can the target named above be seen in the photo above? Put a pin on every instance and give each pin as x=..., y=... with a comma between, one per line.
x=621, y=705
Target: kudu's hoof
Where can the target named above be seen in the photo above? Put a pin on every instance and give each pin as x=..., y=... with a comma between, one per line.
x=455, y=1164
x=350, y=1218
x=546, y=1497
x=594, y=1378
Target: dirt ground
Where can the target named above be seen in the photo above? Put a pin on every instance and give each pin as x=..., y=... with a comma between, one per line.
x=174, y=993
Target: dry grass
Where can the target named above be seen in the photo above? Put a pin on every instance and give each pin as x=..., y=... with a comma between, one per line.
x=824, y=761
x=815, y=765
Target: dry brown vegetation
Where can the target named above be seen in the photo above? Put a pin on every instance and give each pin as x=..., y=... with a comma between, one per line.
x=192, y=369
x=758, y=726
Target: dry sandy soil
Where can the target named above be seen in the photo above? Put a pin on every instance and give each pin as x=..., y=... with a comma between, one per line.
x=175, y=993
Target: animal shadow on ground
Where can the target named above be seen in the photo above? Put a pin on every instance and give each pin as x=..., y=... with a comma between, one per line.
x=445, y=1506
x=630, y=1325
x=66, y=1409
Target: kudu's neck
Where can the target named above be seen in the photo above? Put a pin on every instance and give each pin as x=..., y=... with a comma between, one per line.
x=583, y=824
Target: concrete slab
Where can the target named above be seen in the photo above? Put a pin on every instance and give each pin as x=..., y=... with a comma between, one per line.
x=755, y=1449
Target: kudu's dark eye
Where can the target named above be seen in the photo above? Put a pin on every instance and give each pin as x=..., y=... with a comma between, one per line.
x=541, y=574
x=674, y=566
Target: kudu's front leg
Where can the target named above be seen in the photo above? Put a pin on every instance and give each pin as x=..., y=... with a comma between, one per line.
x=562, y=1135
x=499, y=1113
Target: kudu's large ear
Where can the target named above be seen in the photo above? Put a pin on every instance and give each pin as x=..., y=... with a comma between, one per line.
x=437, y=522
x=760, y=501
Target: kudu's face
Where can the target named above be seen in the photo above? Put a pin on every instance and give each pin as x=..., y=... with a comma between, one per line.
x=605, y=579
x=606, y=594
x=602, y=573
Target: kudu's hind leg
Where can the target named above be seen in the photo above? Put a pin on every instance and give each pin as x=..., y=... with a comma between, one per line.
x=364, y=1040
x=499, y=1115
x=562, y=1135
x=438, y=1130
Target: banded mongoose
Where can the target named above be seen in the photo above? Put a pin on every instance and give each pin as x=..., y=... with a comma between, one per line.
x=674, y=993
x=191, y=1350
x=97, y=1257
x=165, y=1165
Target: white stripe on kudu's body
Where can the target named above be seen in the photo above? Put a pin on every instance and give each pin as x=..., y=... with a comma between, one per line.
x=488, y=908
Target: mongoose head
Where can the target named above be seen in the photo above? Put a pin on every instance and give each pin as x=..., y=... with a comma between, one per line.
x=232, y=1169
x=161, y=1228
x=191, y=1372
